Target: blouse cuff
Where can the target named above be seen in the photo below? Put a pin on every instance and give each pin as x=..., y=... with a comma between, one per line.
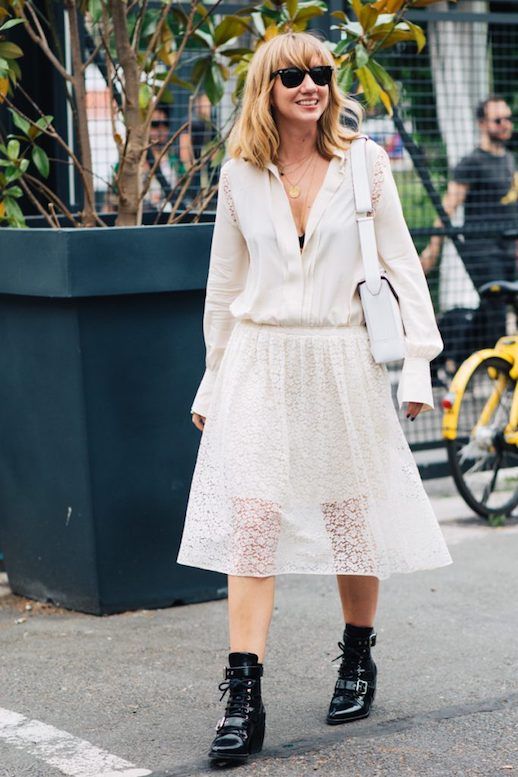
x=415, y=384
x=203, y=396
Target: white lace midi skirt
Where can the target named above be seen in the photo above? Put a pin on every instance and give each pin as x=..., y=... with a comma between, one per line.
x=303, y=465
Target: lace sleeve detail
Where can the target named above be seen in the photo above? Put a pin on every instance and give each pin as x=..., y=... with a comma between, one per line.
x=378, y=176
x=229, y=201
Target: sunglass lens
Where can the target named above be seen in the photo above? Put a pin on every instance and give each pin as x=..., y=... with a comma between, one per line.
x=291, y=77
x=321, y=75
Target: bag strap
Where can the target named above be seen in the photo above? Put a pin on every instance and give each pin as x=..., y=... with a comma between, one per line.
x=364, y=214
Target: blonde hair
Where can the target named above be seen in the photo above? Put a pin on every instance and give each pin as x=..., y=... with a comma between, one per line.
x=255, y=137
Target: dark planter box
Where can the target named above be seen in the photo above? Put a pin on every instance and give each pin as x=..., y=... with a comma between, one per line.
x=101, y=355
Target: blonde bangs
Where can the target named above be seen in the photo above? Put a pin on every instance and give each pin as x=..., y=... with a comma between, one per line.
x=299, y=50
x=255, y=137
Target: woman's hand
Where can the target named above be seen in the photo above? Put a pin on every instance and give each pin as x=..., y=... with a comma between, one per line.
x=198, y=421
x=413, y=409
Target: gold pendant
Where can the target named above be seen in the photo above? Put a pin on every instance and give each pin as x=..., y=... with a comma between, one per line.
x=294, y=192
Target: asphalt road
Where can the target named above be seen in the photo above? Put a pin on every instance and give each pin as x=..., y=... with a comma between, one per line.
x=140, y=688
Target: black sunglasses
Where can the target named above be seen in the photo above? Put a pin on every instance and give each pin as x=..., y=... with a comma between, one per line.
x=294, y=76
x=159, y=123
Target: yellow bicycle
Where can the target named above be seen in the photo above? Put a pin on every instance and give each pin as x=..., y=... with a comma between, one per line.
x=480, y=422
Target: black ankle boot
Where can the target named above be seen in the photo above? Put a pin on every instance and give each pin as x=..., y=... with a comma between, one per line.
x=240, y=732
x=356, y=685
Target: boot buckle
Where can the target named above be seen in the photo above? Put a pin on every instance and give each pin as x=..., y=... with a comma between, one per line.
x=362, y=687
x=220, y=723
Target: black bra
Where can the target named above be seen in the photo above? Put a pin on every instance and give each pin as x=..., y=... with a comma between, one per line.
x=301, y=240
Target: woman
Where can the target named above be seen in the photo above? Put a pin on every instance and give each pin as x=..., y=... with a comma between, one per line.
x=303, y=466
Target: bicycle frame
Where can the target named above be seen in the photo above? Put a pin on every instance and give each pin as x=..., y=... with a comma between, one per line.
x=507, y=349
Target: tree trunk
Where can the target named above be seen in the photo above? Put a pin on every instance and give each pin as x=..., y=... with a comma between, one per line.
x=129, y=181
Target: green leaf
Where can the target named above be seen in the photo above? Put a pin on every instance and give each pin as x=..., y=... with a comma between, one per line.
x=371, y=88
x=145, y=93
x=235, y=52
x=419, y=36
x=180, y=82
x=13, y=149
x=149, y=25
x=24, y=164
x=385, y=79
x=13, y=210
x=362, y=56
x=9, y=50
x=291, y=6
x=346, y=78
x=230, y=27
x=368, y=17
x=204, y=37
x=14, y=191
x=19, y=121
x=398, y=33
x=341, y=46
x=305, y=14
x=41, y=161
x=95, y=9
x=14, y=72
x=259, y=23
x=357, y=8
x=213, y=83
x=43, y=122
x=199, y=69
x=11, y=23
x=339, y=15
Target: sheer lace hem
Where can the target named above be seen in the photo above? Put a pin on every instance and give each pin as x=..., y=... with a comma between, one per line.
x=349, y=534
x=256, y=527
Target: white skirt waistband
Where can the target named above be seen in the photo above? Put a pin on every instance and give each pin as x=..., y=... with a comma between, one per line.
x=304, y=329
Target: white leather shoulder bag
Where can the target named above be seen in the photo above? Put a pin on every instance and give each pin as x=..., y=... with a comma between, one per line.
x=379, y=301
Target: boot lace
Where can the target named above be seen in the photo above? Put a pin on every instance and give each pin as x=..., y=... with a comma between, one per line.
x=351, y=667
x=239, y=701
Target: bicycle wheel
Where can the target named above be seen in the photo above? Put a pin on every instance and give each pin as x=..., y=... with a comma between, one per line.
x=484, y=467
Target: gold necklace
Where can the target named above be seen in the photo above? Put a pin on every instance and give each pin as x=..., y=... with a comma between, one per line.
x=294, y=188
x=301, y=229
x=295, y=165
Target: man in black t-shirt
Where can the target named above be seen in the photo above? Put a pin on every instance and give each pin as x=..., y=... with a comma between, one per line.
x=486, y=183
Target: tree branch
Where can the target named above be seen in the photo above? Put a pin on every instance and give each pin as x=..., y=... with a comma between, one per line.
x=47, y=191
x=40, y=38
x=138, y=25
x=80, y=113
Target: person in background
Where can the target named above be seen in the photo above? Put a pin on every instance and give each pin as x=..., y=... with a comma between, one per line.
x=201, y=131
x=165, y=176
x=485, y=182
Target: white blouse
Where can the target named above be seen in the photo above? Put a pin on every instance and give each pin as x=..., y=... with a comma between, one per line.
x=257, y=270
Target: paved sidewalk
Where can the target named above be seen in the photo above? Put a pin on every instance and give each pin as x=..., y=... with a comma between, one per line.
x=137, y=694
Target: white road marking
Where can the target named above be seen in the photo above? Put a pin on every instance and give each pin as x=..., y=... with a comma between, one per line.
x=72, y=756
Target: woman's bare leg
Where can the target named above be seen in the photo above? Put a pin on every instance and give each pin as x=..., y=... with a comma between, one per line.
x=359, y=597
x=250, y=608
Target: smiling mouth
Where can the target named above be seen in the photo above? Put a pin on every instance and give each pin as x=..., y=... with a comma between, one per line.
x=310, y=103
